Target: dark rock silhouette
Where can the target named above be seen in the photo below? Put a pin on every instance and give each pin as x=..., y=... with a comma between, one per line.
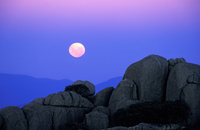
x=154, y=94
x=103, y=96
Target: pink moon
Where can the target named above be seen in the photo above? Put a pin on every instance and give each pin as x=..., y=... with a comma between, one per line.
x=77, y=50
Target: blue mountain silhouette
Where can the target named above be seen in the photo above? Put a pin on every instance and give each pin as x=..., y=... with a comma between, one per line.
x=109, y=83
x=18, y=90
x=21, y=89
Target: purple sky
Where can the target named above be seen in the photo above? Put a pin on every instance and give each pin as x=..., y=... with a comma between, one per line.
x=35, y=35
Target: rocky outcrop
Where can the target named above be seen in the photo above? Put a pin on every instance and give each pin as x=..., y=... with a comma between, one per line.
x=155, y=94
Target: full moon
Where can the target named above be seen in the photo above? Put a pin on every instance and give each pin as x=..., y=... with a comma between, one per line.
x=77, y=50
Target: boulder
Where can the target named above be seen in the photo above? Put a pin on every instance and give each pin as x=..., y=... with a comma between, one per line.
x=96, y=120
x=88, y=84
x=38, y=117
x=14, y=118
x=102, y=109
x=67, y=99
x=126, y=89
x=103, y=96
x=180, y=76
x=79, y=89
x=150, y=77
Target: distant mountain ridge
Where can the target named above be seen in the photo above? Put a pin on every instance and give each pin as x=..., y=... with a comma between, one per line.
x=17, y=90
x=111, y=82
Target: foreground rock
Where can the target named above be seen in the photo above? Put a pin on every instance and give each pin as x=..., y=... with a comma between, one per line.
x=14, y=118
x=155, y=94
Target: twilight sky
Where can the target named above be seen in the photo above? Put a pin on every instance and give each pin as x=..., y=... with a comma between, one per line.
x=35, y=35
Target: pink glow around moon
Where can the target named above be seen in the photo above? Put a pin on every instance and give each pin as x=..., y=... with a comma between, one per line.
x=77, y=50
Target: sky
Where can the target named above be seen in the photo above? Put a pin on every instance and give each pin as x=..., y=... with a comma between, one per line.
x=35, y=35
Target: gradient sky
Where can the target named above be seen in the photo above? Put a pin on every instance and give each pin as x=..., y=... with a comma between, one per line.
x=35, y=35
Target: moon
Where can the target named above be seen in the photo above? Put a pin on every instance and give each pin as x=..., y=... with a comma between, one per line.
x=76, y=49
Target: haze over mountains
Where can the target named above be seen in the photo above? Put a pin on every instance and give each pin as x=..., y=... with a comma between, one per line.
x=17, y=90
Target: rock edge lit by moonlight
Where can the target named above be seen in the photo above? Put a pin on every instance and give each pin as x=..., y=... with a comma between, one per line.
x=77, y=50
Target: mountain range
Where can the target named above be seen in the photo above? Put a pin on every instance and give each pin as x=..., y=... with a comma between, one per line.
x=18, y=90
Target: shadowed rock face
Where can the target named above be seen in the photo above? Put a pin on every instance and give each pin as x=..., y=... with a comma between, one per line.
x=79, y=89
x=105, y=93
x=180, y=76
x=67, y=99
x=126, y=89
x=88, y=84
x=151, y=112
x=96, y=120
x=1, y=121
x=14, y=118
x=150, y=77
x=155, y=94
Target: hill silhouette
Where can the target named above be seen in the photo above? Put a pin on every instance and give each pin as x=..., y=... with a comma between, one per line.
x=22, y=89
x=18, y=90
x=111, y=82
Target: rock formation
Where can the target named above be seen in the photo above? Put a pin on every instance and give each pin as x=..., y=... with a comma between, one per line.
x=154, y=94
